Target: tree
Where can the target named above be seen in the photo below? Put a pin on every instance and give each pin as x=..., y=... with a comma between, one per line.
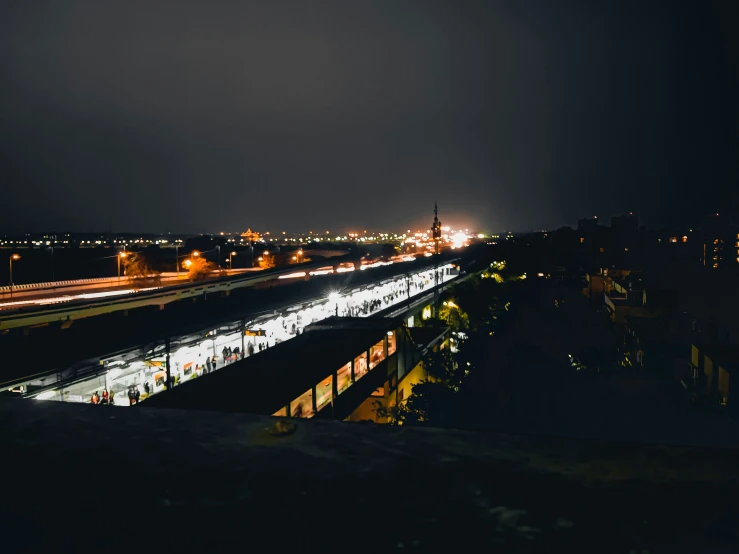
x=266, y=261
x=442, y=367
x=198, y=268
x=139, y=267
x=453, y=316
x=429, y=403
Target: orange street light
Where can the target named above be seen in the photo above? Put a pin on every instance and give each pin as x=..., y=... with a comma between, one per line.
x=187, y=263
x=266, y=252
x=13, y=257
x=121, y=255
x=195, y=253
x=231, y=260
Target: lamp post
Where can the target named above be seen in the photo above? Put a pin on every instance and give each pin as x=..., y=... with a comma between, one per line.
x=13, y=257
x=231, y=260
x=177, y=257
x=300, y=255
x=120, y=256
x=53, y=269
x=334, y=297
x=218, y=246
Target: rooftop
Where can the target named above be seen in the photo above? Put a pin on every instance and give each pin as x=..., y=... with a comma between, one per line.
x=111, y=479
x=260, y=384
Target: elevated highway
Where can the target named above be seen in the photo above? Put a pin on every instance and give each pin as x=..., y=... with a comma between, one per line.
x=70, y=308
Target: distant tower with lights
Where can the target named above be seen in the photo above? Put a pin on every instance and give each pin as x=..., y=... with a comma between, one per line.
x=436, y=229
x=436, y=234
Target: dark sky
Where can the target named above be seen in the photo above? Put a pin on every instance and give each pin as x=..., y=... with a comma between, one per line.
x=208, y=116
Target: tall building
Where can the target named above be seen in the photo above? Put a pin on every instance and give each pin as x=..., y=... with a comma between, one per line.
x=587, y=225
x=720, y=242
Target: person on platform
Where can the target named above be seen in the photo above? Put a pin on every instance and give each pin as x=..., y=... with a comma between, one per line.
x=95, y=398
x=112, y=395
x=105, y=396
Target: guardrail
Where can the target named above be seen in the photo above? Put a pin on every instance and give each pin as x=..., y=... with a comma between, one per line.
x=97, y=282
x=57, y=284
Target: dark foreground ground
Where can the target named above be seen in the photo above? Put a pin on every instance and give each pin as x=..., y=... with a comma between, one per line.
x=84, y=478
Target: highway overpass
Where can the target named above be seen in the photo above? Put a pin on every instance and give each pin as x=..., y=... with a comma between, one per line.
x=53, y=307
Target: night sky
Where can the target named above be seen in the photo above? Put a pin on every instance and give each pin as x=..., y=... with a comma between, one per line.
x=189, y=116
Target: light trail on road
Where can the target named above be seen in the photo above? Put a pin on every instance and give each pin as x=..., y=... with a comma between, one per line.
x=71, y=297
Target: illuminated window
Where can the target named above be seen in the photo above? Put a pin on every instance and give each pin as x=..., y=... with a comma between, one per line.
x=344, y=377
x=427, y=310
x=673, y=239
x=281, y=413
x=685, y=238
x=582, y=239
x=360, y=366
x=303, y=405
x=377, y=354
x=323, y=393
x=715, y=241
x=391, y=343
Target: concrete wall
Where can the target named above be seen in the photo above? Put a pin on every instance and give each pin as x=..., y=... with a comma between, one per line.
x=695, y=357
x=708, y=372
x=723, y=385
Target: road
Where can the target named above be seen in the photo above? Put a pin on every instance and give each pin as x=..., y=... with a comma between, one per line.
x=41, y=294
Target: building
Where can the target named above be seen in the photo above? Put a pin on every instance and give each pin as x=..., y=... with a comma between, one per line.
x=720, y=243
x=587, y=225
x=251, y=236
x=713, y=366
x=340, y=368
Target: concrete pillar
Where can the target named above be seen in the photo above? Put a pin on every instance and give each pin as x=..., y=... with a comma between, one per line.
x=168, y=367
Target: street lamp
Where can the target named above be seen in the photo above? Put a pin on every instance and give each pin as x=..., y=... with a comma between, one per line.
x=218, y=246
x=231, y=260
x=120, y=256
x=195, y=253
x=13, y=257
x=334, y=297
x=300, y=255
x=187, y=263
x=177, y=257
